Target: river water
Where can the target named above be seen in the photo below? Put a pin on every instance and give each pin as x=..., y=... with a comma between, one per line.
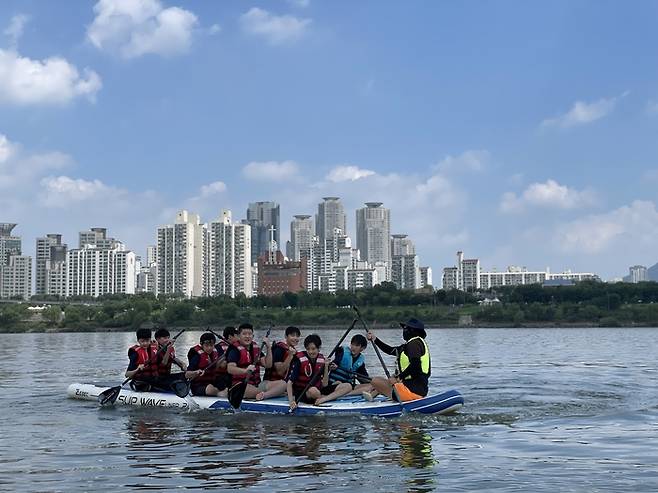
x=546, y=410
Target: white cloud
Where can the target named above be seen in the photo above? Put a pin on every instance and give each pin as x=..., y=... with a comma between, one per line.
x=626, y=229
x=19, y=168
x=15, y=29
x=62, y=191
x=212, y=189
x=133, y=28
x=547, y=195
x=24, y=81
x=275, y=29
x=271, y=171
x=6, y=149
x=472, y=160
x=582, y=113
x=214, y=29
x=348, y=173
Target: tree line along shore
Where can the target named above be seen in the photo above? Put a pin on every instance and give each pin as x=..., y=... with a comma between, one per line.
x=584, y=304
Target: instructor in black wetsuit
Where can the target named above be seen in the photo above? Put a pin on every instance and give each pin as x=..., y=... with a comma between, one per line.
x=413, y=365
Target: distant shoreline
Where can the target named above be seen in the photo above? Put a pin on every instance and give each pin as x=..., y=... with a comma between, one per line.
x=307, y=328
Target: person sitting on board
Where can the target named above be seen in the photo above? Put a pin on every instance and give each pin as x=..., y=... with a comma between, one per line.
x=282, y=354
x=311, y=365
x=413, y=365
x=350, y=365
x=245, y=359
x=142, y=365
x=205, y=381
x=230, y=334
x=166, y=355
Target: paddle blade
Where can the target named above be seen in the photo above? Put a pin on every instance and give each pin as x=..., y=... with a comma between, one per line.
x=109, y=396
x=181, y=387
x=236, y=394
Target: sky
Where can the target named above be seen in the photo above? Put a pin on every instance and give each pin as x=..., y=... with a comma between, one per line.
x=523, y=133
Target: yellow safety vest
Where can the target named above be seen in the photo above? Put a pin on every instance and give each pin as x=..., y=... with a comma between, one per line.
x=425, y=364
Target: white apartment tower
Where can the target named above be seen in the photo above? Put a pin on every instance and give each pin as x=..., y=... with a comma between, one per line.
x=180, y=256
x=301, y=236
x=331, y=215
x=15, y=269
x=405, y=271
x=95, y=270
x=373, y=233
x=228, y=257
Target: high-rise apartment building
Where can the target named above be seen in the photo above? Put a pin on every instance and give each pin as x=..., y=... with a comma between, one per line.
x=151, y=255
x=15, y=269
x=331, y=215
x=425, y=277
x=373, y=233
x=262, y=216
x=402, y=245
x=301, y=236
x=44, y=252
x=96, y=237
x=96, y=271
x=464, y=276
x=638, y=273
x=228, y=257
x=180, y=256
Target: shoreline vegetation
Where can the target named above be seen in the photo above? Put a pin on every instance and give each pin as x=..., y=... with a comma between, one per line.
x=587, y=304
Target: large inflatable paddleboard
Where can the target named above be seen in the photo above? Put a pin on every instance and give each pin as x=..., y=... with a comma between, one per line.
x=445, y=403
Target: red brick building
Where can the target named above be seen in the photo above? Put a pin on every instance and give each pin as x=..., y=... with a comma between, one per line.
x=280, y=276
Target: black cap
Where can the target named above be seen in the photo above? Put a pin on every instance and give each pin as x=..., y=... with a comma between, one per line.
x=416, y=325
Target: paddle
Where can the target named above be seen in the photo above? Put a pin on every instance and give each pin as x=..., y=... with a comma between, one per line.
x=110, y=395
x=379, y=354
x=236, y=392
x=316, y=375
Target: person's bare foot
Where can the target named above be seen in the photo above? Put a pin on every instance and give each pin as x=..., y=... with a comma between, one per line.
x=260, y=396
x=367, y=396
x=320, y=401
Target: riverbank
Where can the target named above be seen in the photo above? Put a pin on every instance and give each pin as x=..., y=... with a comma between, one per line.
x=320, y=328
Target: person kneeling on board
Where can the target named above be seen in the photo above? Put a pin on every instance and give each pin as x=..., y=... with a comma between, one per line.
x=202, y=369
x=413, y=365
x=307, y=366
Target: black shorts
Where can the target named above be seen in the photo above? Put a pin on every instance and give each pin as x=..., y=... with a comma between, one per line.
x=220, y=383
x=304, y=398
x=329, y=388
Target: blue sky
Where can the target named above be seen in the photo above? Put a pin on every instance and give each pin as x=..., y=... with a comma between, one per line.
x=523, y=133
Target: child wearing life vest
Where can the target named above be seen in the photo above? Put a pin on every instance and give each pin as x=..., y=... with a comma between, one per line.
x=282, y=354
x=349, y=366
x=311, y=367
x=165, y=356
x=245, y=359
x=202, y=369
x=142, y=366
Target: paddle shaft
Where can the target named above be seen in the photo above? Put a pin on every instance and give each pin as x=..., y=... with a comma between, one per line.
x=315, y=377
x=374, y=344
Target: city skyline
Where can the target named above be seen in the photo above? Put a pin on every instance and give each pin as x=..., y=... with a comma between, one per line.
x=521, y=133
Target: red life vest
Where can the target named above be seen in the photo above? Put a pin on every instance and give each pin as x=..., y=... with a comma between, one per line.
x=163, y=369
x=146, y=356
x=272, y=373
x=247, y=358
x=205, y=360
x=307, y=370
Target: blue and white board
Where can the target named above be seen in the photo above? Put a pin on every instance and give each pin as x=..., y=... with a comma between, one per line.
x=444, y=403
